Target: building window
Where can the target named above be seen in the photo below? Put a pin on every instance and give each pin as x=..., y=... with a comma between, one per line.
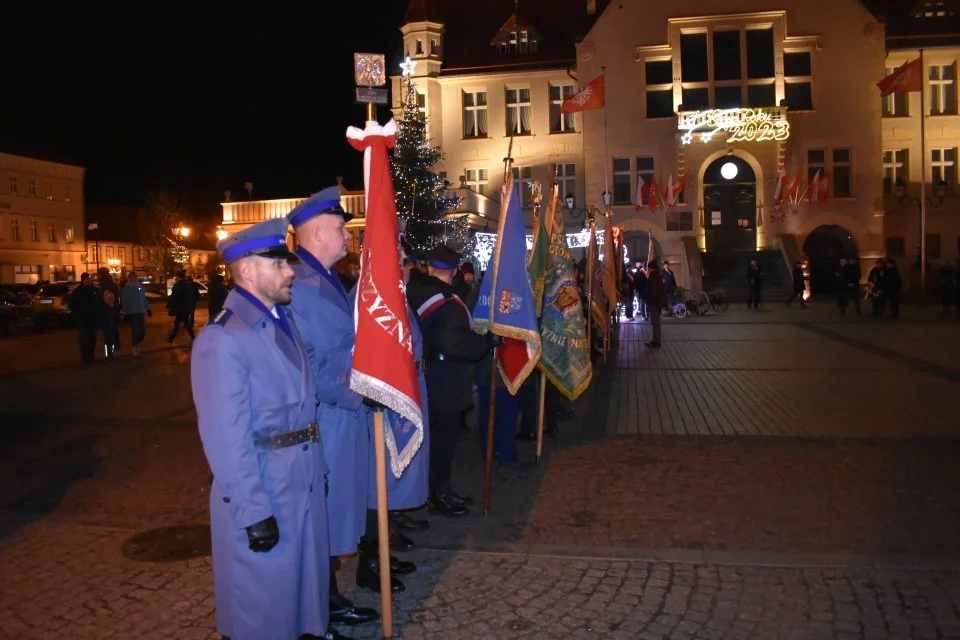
x=565, y=176
x=894, y=169
x=434, y=48
x=68, y=234
x=943, y=89
x=560, y=122
x=816, y=162
x=49, y=192
x=109, y=253
x=645, y=168
x=760, y=52
x=13, y=185
x=32, y=188
x=518, y=112
x=524, y=175
x=476, y=180
x=943, y=163
x=679, y=220
x=524, y=41
x=798, y=76
x=896, y=247
x=474, y=114
x=15, y=229
x=659, y=83
x=621, y=181
x=51, y=232
x=419, y=49
x=842, y=173
x=34, y=231
x=122, y=254
x=895, y=105
x=139, y=254
x=693, y=57
x=726, y=55
x=66, y=198
x=422, y=103
x=933, y=246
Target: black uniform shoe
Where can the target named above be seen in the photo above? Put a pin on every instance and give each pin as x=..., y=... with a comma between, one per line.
x=401, y=542
x=329, y=635
x=442, y=504
x=344, y=611
x=368, y=576
x=401, y=567
x=463, y=501
x=401, y=520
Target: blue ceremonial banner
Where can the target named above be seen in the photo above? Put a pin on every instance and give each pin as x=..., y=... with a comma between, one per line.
x=506, y=304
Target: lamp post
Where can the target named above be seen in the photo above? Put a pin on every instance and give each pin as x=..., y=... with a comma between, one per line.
x=586, y=212
x=939, y=193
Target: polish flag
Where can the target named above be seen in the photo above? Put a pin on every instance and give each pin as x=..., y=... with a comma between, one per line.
x=813, y=189
x=781, y=188
x=793, y=189
x=823, y=188
x=654, y=194
x=642, y=188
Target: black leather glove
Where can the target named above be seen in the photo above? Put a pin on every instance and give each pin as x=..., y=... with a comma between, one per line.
x=263, y=535
x=373, y=404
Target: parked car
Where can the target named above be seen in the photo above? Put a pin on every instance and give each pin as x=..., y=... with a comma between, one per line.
x=155, y=292
x=51, y=304
x=16, y=309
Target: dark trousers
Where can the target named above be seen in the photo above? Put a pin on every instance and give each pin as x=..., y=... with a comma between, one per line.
x=879, y=304
x=629, y=310
x=186, y=319
x=504, y=423
x=530, y=406
x=894, y=306
x=138, y=328
x=797, y=294
x=445, y=427
x=753, y=297
x=87, y=335
x=655, y=320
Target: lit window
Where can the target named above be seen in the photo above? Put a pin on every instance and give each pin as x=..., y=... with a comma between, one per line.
x=896, y=104
x=68, y=234
x=621, y=181
x=944, y=166
x=894, y=169
x=476, y=180
x=34, y=231
x=524, y=176
x=32, y=188
x=518, y=112
x=842, y=171
x=51, y=232
x=474, y=114
x=15, y=229
x=943, y=89
x=565, y=176
x=13, y=185
x=560, y=122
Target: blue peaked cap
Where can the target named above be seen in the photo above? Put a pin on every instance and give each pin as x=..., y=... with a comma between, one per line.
x=267, y=238
x=443, y=257
x=326, y=201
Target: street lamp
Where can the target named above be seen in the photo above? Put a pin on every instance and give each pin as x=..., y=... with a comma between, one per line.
x=222, y=234
x=93, y=226
x=577, y=213
x=607, y=198
x=183, y=232
x=939, y=193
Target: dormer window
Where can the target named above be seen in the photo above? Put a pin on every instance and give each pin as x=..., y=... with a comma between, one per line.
x=934, y=9
x=419, y=47
x=524, y=42
x=516, y=37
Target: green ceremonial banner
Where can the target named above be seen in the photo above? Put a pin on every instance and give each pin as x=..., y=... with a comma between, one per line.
x=538, y=256
x=565, y=355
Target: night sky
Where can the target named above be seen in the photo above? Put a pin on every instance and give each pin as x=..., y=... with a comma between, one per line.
x=194, y=97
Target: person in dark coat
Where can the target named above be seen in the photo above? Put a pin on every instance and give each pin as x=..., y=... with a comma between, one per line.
x=182, y=304
x=109, y=312
x=84, y=306
x=878, y=299
x=850, y=281
x=892, y=284
x=466, y=286
x=216, y=296
x=451, y=348
x=798, y=284
x=656, y=300
x=754, y=284
x=946, y=277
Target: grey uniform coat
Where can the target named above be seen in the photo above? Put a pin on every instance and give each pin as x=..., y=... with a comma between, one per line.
x=250, y=380
x=325, y=319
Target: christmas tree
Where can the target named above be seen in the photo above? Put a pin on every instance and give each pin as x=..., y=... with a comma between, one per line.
x=421, y=202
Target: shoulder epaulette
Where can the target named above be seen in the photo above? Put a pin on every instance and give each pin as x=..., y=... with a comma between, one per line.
x=222, y=317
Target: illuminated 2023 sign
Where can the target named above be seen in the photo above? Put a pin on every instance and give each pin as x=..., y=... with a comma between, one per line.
x=741, y=125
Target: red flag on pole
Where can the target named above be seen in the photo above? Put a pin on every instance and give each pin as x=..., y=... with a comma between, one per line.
x=589, y=97
x=905, y=78
x=383, y=365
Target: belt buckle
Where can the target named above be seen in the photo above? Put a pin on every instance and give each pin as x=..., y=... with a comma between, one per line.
x=313, y=432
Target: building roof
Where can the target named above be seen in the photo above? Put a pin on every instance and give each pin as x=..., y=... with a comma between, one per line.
x=912, y=24
x=468, y=35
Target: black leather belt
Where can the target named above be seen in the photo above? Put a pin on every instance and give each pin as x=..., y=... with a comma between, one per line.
x=289, y=439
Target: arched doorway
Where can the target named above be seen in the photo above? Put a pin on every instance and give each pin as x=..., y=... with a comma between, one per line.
x=730, y=205
x=824, y=247
x=637, y=245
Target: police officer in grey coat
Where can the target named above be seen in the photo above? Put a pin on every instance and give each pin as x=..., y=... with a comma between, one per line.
x=324, y=316
x=256, y=403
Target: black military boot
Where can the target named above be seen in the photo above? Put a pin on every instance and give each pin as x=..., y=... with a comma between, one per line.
x=342, y=608
x=397, y=567
x=463, y=501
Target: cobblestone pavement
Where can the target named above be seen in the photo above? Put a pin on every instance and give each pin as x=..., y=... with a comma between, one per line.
x=848, y=528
